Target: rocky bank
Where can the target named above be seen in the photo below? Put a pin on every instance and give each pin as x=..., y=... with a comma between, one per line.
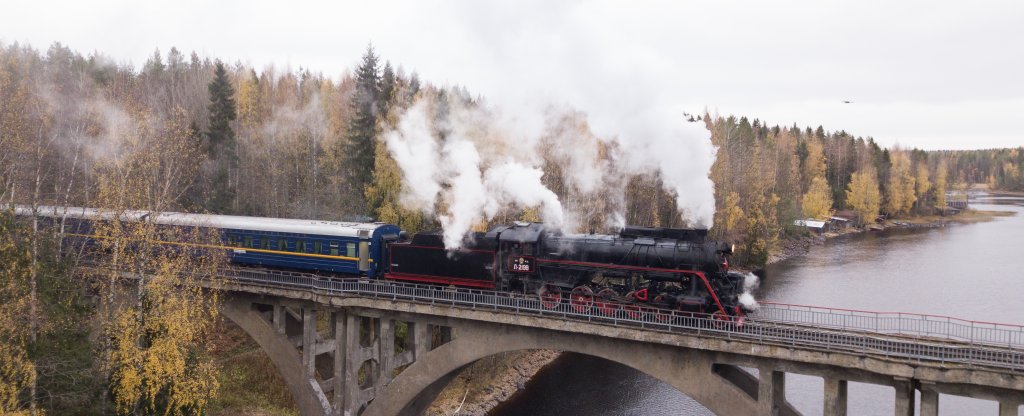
x=488, y=382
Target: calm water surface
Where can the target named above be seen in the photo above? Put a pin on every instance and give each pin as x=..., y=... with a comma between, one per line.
x=973, y=271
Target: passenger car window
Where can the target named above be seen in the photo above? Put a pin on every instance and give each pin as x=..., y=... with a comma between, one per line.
x=317, y=247
x=350, y=249
x=334, y=248
x=282, y=245
x=265, y=242
x=248, y=241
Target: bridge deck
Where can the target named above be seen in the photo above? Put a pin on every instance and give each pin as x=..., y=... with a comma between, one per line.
x=907, y=337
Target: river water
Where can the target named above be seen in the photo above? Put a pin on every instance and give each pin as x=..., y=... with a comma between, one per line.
x=971, y=271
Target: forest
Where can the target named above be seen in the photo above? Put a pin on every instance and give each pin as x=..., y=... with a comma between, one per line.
x=194, y=134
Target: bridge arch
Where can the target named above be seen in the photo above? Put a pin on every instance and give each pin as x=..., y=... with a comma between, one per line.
x=689, y=371
x=308, y=396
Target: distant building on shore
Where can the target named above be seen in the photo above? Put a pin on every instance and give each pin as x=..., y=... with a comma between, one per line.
x=818, y=226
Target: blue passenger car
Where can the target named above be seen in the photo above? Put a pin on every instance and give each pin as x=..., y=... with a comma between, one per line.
x=324, y=246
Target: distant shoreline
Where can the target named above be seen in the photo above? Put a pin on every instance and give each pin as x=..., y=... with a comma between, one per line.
x=798, y=246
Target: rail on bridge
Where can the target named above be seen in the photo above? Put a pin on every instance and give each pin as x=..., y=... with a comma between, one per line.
x=932, y=354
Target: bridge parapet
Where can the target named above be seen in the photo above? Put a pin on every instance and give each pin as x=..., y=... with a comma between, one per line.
x=911, y=337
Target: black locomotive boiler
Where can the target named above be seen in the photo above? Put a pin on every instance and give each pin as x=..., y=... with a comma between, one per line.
x=639, y=268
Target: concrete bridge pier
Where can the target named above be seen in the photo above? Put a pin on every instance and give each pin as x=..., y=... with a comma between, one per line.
x=771, y=391
x=929, y=400
x=835, y=396
x=905, y=399
x=335, y=361
x=1009, y=408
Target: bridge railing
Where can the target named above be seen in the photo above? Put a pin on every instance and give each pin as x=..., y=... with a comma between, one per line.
x=917, y=337
x=902, y=323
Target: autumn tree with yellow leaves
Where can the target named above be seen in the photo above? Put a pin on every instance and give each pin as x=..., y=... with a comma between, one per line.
x=862, y=195
x=817, y=202
x=924, y=186
x=155, y=317
x=17, y=371
x=940, y=185
x=900, y=190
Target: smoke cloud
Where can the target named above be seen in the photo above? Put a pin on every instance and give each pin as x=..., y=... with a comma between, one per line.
x=468, y=162
x=750, y=283
x=602, y=105
x=454, y=172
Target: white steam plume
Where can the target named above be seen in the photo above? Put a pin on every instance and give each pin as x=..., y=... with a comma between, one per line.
x=467, y=189
x=750, y=283
x=520, y=184
x=474, y=187
x=477, y=162
x=416, y=152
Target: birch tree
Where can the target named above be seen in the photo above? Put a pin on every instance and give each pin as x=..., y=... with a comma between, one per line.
x=862, y=194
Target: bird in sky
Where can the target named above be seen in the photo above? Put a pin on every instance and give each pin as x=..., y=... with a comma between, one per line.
x=847, y=102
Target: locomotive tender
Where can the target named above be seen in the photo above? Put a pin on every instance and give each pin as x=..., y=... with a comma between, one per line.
x=637, y=269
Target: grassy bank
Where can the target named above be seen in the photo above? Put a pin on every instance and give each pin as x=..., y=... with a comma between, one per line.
x=250, y=384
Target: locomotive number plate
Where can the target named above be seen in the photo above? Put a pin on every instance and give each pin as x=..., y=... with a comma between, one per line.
x=521, y=264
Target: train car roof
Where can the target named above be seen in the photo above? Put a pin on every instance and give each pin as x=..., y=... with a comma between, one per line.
x=235, y=222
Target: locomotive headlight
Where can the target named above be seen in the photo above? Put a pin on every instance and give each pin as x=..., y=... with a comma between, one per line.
x=728, y=248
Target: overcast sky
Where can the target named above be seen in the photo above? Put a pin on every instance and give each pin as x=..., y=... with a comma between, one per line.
x=929, y=74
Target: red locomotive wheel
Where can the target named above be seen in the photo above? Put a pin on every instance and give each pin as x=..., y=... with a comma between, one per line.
x=632, y=311
x=581, y=299
x=605, y=302
x=550, y=297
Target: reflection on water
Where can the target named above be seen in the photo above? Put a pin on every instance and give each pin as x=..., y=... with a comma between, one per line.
x=583, y=385
x=969, y=271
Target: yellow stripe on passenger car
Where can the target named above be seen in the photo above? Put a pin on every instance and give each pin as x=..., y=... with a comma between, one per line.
x=258, y=250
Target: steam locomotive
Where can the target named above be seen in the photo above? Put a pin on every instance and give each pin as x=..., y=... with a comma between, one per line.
x=640, y=268
x=636, y=270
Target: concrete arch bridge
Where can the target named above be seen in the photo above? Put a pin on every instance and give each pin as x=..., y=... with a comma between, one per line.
x=334, y=344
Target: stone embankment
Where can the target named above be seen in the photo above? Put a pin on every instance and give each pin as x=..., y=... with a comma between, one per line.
x=488, y=382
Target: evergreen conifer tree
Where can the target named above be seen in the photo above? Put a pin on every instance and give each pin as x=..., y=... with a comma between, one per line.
x=362, y=128
x=388, y=86
x=221, y=139
x=222, y=112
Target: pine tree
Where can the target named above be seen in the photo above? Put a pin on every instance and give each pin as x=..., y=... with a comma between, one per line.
x=221, y=140
x=388, y=89
x=222, y=113
x=362, y=127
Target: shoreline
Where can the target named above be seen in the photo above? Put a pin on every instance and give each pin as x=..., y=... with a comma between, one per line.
x=489, y=382
x=797, y=246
